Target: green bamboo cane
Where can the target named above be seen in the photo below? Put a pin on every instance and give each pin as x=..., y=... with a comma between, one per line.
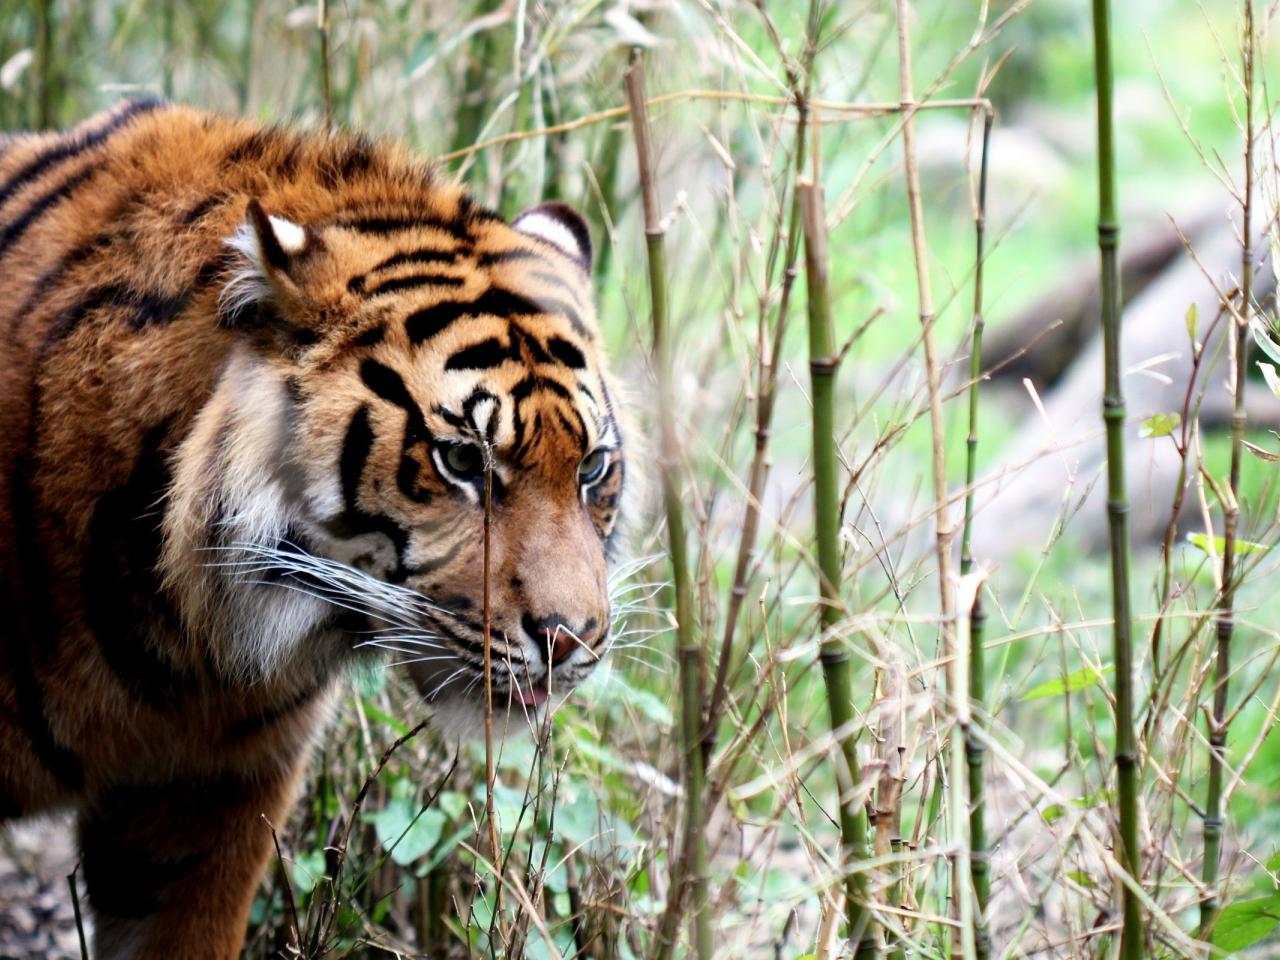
x=1113, y=413
x=823, y=364
x=1224, y=625
x=979, y=858
x=689, y=866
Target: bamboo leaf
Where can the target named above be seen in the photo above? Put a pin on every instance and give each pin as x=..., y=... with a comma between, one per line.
x=1262, y=337
x=1160, y=425
x=1242, y=547
x=1072, y=682
x=1269, y=375
x=1261, y=454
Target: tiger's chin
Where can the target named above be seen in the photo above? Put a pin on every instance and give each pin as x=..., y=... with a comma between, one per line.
x=458, y=706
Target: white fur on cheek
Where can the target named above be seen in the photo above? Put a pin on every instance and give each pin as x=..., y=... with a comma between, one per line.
x=229, y=488
x=552, y=230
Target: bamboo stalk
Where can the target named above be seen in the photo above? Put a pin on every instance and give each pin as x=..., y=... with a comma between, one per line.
x=767, y=369
x=1113, y=413
x=689, y=866
x=979, y=857
x=823, y=363
x=1224, y=620
x=944, y=533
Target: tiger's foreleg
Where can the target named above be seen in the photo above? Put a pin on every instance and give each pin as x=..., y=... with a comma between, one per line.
x=172, y=870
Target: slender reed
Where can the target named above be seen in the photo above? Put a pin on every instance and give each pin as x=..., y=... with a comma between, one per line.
x=689, y=864
x=1113, y=414
x=944, y=532
x=1224, y=621
x=979, y=857
x=767, y=369
x=495, y=845
x=823, y=363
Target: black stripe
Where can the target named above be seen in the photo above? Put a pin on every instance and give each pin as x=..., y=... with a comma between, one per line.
x=125, y=606
x=18, y=226
x=566, y=310
x=370, y=337
x=428, y=322
x=416, y=256
x=434, y=564
x=381, y=225
x=356, y=448
x=203, y=207
x=75, y=142
x=387, y=384
x=409, y=283
x=481, y=356
x=552, y=279
x=511, y=256
x=566, y=353
x=354, y=522
x=54, y=274
x=252, y=725
x=528, y=385
x=33, y=632
x=252, y=148
x=146, y=308
x=390, y=386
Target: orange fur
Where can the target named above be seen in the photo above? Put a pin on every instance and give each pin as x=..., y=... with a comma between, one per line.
x=245, y=379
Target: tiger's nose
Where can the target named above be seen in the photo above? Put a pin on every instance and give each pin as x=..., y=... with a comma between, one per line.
x=556, y=637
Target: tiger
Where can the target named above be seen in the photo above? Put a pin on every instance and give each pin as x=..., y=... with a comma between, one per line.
x=272, y=403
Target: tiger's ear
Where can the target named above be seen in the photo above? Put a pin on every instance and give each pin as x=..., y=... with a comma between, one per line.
x=273, y=249
x=561, y=226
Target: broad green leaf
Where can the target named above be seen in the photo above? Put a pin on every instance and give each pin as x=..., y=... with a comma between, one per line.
x=405, y=830
x=1160, y=425
x=1072, y=682
x=1201, y=542
x=1246, y=922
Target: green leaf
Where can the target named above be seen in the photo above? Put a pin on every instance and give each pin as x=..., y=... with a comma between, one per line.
x=1082, y=878
x=1262, y=337
x=1269, y=375
x=1246, y=922
x=1193, y=318
x=1072, y=682
x=378, y=716
x=1201, y=542
x=1160, y=425
x=306, y=871
x=405, y=830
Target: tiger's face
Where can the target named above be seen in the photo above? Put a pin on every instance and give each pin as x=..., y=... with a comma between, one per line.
x=428, y=370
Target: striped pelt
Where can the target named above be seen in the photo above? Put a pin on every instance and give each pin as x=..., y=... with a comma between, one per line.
x=256, y=387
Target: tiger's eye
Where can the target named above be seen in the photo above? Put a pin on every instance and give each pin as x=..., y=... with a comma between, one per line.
x=592, y=466
x=464, y=459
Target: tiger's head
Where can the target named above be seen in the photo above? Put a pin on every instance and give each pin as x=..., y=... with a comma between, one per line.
x=393, y=372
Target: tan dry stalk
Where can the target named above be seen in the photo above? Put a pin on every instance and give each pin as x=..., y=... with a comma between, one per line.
x=1238, y=344
x=689, y=860
x=956, y=685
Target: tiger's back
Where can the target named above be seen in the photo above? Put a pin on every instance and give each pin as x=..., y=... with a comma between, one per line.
x=222, y=350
